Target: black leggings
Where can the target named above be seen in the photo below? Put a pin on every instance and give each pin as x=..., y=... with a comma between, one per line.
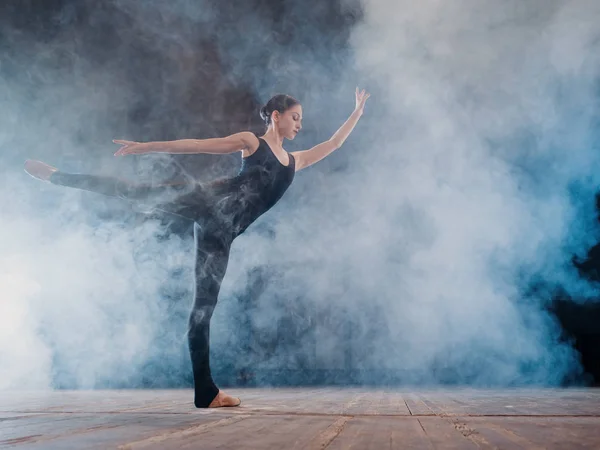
x=212, y=241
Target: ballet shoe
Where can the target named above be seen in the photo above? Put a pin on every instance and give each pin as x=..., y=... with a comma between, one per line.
x=224, y=400
x=39, y=170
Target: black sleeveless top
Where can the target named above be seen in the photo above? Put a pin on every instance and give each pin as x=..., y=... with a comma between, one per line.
x=258, y=186
x=266, y=175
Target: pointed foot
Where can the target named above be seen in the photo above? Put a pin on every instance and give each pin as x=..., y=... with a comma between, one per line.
x=39, y=170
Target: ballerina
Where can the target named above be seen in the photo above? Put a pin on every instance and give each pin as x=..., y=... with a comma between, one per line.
x=221, y=209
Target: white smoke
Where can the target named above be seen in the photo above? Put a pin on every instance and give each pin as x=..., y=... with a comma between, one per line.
x=87, y=294
x=458, y=195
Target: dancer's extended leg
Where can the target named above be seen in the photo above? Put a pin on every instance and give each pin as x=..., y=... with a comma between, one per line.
x=184, y=199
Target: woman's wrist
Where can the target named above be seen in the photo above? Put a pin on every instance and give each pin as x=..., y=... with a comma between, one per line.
x=148, y=147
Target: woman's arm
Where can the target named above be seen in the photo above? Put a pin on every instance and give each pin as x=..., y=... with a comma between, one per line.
x=230, y=144
x=307, y=158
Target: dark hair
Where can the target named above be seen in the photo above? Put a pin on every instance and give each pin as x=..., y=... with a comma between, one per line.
x=279, y=102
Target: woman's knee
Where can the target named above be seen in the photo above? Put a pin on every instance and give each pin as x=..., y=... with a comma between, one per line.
x=201, y=315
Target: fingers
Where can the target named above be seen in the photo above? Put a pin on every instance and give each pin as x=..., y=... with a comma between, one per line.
x=123, y=151
x=360, y=94
x=125, y=146
x=126, y=150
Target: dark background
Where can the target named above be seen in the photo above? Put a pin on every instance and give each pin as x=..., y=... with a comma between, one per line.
x=181, y=85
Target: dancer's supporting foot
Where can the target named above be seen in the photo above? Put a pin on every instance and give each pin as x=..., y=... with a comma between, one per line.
x=222, y=399
x=39, y=170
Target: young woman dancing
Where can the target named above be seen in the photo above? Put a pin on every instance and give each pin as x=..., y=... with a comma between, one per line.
x=221, y=209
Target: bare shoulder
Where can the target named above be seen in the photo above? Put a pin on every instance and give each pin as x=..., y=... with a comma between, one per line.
x=250, y=142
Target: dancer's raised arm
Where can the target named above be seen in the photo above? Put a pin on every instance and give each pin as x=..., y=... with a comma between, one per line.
x=306, y=158
x=230, y=144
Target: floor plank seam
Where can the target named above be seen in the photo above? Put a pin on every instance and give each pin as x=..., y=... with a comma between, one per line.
x=426, y=434
x=20, y=440
x=34, y=439
x=331, y=433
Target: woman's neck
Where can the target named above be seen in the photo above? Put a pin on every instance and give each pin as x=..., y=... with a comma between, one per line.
x=274, y=137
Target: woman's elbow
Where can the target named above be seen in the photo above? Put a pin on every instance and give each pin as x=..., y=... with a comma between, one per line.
x=335, y=144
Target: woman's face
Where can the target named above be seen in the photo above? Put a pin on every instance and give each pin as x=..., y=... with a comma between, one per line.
x=289, y=123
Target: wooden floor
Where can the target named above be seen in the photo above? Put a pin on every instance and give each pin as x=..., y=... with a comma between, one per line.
x=329, y=418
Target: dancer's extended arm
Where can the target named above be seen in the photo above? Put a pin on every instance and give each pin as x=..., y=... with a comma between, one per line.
x=230, y=144
x=307, y=158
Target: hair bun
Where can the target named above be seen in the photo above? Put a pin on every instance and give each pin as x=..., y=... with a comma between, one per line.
x=264, y=114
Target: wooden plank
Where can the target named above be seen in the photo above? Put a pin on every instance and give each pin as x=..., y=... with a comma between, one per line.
x=257, y=432
x=375, y=433
x=73, y=430
x=416, y=406
x=538, y=433
x=443, y=433
x=90, y=401
x=512, y=402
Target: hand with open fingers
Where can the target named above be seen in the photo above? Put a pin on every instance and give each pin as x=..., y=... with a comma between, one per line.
x=130, y=147
x=361, y=98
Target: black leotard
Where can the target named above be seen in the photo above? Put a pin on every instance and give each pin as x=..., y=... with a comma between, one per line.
x=222, y=210
x=258, y=186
